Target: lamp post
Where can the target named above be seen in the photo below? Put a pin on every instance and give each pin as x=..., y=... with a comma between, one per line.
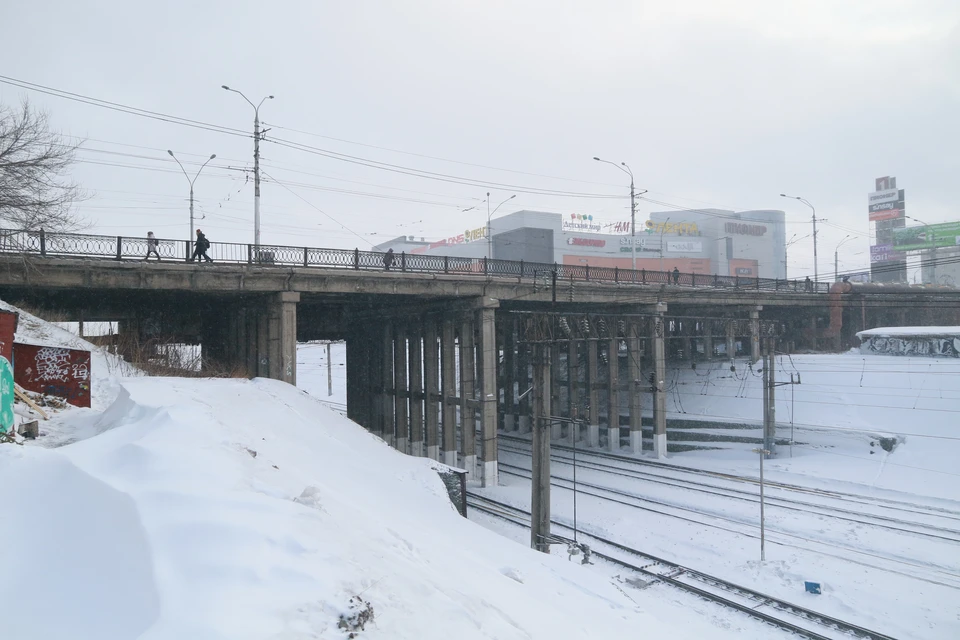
x=489, y=214
x=633, y=212
x=256, y=167
x=836, y=271
x=661, y=242
x=191, y=181
x=816, y=271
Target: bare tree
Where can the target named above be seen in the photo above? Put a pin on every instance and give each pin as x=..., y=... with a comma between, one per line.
x=34, y=193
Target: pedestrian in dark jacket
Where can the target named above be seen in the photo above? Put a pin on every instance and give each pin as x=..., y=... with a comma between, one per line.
x=676, y=276
x=152, y=246
x=200, y=248
x=388, y=260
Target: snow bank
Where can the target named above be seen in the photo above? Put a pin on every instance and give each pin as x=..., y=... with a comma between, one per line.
x=245, y=509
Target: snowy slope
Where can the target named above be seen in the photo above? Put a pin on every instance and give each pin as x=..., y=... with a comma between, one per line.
x=245, y=509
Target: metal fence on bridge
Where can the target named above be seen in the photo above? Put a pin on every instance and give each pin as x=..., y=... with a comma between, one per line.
x=77, y=245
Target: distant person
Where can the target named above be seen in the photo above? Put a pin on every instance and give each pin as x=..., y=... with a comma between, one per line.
x=808, y=284
x=676, y=276
x=388, y=260
x=200, y=248
x=152, y=245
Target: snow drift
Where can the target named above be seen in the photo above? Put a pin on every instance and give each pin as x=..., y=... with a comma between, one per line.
x=245, y=509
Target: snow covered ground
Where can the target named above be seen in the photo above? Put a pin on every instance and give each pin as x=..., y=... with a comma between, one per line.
x=905, y=584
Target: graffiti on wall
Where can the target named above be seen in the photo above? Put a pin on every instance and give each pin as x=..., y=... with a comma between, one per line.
x=53, y=371
x=932, y=346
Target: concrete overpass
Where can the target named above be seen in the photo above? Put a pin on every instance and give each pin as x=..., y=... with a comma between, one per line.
x=436, y=360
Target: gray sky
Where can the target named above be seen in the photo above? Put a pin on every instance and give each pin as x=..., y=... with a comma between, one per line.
x=713, y=104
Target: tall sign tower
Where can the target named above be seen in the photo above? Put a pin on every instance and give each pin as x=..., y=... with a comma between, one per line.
x=885, y=207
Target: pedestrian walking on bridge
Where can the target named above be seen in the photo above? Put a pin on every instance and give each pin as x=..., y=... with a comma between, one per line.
x=152, y=245
x=676, y=276
x=200, y=248
x=388, y=260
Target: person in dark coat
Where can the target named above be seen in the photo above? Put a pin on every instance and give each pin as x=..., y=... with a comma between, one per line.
x=388, y=260
x=808, y=284
x=676, y=276
x=200, y=248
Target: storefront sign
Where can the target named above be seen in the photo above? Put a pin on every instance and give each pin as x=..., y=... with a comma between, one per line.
x=742, y=229
x=684, y=246
x=53, y=371
x=586, y=242
x=580, y=222
x=679, y=228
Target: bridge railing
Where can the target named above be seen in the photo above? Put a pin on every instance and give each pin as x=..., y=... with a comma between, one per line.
x=78, y=245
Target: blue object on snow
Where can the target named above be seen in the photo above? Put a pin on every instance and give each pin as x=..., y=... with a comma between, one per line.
x=812, y=587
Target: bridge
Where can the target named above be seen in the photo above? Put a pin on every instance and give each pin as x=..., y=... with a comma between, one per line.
x=438, y=356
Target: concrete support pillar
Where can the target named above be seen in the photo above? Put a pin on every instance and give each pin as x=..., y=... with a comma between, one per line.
x=387, y=424
x=634, y=385
x=708, y=339
x=449, y=392
x=355, y=362
x=400, y=391
x=613, y=395
x=431, y=388
x=415, y=363
x=755, y=334
x=731, y=339
x=282, y=337
x=573, y=388
x=468, y=402
x=489, y=393
x=593, y=391
x=509, y=373
x=540, y=455
x=686, y=342
x=374, y=383
x=659, y=396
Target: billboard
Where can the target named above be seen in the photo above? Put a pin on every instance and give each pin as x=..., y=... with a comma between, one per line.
x=884, y=253
x=879, y=197
x=53, y=371
x=929, y=236
x=888, y=214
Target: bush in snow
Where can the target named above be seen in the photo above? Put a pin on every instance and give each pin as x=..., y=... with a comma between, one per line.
x=361, y=612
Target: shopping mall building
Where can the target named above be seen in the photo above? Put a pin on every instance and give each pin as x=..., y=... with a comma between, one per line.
x=706, y=241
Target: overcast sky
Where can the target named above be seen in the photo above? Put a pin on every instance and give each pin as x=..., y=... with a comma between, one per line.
x=712, y=104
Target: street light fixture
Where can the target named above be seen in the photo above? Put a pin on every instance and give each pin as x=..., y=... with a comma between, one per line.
x=191, y=181
x=256, y=166
x=816, y=271
x=836, y=273
x=633, y=212
x=489, y=214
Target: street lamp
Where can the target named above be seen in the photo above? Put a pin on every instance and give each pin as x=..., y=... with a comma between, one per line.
x=661, y=241
x=191, y=181
x=256, y=166
x=836, y=274
x=633, y=212
x=816, y=271
x=489, y=213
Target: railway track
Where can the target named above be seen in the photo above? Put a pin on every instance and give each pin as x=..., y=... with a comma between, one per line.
x=784, y=615
x=920, y=529
x=907, y=566
x=632, y=462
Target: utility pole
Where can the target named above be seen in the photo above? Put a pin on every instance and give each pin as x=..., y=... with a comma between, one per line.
x=763, y=552
x=633, y=211
x=769, y=398
x=256, y=167
x=836, y=261
x=489, y=235
x=329, y=373
x=540, y=467
x=816, y=271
